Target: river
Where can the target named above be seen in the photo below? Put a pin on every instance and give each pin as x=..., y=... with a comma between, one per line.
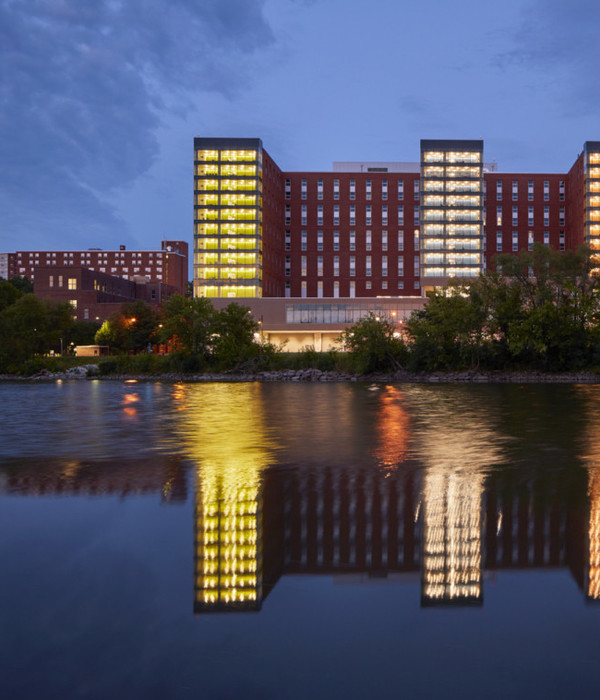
x=299, y=540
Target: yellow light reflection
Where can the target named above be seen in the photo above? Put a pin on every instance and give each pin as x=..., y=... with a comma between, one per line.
x=224, y=433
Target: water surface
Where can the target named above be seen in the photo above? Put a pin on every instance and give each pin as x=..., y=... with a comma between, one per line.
x=293, y=541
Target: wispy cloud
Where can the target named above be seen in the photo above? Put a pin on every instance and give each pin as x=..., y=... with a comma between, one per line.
x=557, y=42
x=83, y=86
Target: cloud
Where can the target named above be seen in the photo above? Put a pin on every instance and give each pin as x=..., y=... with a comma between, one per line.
x=84, y=85
x=557, y=42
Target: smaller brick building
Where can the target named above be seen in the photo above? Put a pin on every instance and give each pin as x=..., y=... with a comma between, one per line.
x=93, y=295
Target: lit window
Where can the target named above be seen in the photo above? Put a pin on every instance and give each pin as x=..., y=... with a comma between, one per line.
x=72, y=283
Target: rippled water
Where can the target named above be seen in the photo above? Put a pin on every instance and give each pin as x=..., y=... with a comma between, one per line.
x=294, y=541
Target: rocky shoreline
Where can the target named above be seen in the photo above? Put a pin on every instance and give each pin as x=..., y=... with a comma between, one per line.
x=316, y=375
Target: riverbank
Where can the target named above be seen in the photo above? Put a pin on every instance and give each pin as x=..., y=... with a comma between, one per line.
x=315, y=375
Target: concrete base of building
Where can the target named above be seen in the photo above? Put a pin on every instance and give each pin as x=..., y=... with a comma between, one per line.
x=299, y=323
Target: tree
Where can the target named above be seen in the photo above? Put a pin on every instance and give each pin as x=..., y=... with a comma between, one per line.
x=131, y=329
x=542, y=312
x=23, y=284
x=234, y=340
x=448, y=332
x=373, y=345
x=188, y=324
x=8, y=294
x=31, y=327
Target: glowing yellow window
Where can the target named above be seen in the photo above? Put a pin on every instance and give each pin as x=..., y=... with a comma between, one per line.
x=207, y=185
x=238, y=170
x=207, y=214
x=236, y=185
x=207, y=199
x=207, y=155
x=207, y=169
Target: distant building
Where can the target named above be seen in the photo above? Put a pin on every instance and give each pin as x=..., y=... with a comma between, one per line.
x=167, y=265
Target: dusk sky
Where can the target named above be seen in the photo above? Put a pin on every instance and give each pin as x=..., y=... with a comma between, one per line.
x=101, y=99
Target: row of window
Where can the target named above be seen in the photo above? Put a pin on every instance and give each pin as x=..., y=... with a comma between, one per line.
x=351, y=293
x=429, y=214
x=70, y=257
x=338, y=313
x=464, y=186
x=71, y=281
x=352, y=215
x=351, y=240
x=530, y=215
x=352, y=189
x=367, y=262
x=530, y=190
x=530, y=241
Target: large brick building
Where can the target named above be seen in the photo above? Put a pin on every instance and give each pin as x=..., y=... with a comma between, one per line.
x=167, y=265
x=372, y=230
x=97, y=282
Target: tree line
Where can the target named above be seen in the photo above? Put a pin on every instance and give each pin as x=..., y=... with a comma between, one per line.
x=540, y=310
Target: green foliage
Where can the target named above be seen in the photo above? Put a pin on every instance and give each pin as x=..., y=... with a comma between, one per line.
x=8, y=294
x=234, y=341
x=541, y=313
x=374, y=346
x=83, y=333
x=131, y=329
x=188, y=324
x=31, y=326
x=23, y=284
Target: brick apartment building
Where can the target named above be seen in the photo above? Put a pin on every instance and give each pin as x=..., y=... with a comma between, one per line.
x=96, y=282
x=371, y=233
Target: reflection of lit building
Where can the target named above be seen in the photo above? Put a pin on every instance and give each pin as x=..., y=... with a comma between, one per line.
x=73, y=477
x=456, y=447
x=230, y=456
x=593, y=573
x=452, y=531
x=228, y=545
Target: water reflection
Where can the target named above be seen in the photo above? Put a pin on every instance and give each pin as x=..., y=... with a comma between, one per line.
x=429, y=484
x=224, y=434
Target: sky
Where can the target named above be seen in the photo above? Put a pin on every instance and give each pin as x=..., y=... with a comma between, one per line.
x=100, y=99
